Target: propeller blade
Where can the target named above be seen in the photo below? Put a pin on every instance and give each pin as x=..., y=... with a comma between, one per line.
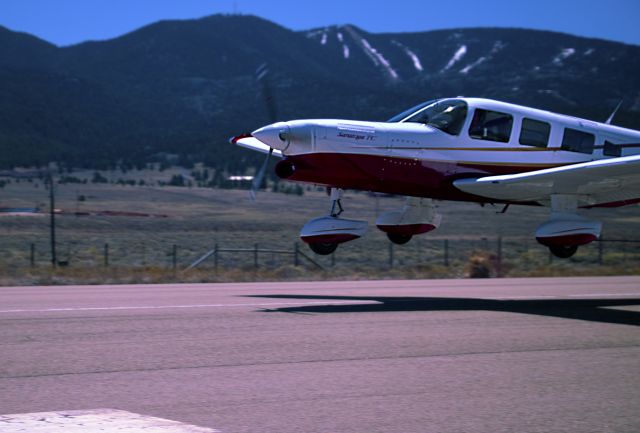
x=259, y=177
x=262, y=76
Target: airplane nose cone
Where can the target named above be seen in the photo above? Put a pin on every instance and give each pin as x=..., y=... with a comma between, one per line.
x=275, y=135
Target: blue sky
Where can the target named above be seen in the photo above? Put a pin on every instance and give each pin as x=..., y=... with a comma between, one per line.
x=65, y=22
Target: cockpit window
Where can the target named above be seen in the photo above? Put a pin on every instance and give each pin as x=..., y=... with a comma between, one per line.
x=447, y=115
x=491, y=125
x=406, y=113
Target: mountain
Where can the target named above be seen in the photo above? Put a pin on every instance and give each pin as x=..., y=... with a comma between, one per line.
x=184, y=87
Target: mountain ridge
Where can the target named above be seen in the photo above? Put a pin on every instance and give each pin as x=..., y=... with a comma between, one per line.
x=184, y=86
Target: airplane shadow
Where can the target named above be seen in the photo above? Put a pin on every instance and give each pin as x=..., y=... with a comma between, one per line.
x=593, y=310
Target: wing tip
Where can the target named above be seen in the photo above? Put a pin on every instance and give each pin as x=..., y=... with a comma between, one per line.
x=236, y=138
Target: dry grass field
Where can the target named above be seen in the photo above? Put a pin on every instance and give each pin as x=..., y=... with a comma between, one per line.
x=197, y=219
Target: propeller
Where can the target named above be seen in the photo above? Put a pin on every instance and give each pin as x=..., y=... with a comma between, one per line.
x=262, y=76
x=259, y=177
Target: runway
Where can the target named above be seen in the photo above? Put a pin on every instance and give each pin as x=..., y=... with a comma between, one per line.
x=500, y=355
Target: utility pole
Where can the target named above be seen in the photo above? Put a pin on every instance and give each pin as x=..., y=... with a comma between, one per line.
x=52, y=222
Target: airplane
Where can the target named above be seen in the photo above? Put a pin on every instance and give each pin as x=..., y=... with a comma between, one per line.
x=463, y=149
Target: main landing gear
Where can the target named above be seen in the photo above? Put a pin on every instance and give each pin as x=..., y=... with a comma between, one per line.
x=323, y=248
x=417, y=216
x=563, y=251
x=399, y=238
x=565, y=230
x=324, y=234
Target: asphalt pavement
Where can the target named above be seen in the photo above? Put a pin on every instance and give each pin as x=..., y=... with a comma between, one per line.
x=500, y=355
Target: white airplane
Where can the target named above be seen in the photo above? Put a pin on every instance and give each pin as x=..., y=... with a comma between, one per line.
x=464, y=149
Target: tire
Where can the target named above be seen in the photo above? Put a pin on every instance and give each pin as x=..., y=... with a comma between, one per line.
x=563, y=251
x=399, y=239
x=323, y=249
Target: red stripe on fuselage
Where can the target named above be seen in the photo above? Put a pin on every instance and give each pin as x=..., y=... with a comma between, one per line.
x=391, y=175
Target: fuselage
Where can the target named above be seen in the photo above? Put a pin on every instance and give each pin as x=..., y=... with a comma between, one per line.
x=422, y=151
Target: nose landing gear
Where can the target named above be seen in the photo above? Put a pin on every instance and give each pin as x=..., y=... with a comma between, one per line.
x=324, y=234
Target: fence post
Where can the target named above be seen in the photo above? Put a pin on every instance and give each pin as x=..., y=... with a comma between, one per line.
x=600, y=247
x=255, y=256
x=391, y=254
x=32, y=255
x=215, y=257
x=174, y=257
x=106, y=255
x=499, y=258
x=295, y=254
x=446, y=252
x=333, y=259
x=624, y=252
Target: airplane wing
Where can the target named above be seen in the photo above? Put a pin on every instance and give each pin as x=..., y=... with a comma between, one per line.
x=607, y=182
x=249, y=142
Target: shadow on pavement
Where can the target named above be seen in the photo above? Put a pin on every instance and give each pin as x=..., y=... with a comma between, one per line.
x=592, y=310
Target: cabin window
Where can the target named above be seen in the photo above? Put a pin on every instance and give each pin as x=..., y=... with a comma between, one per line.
x=577, y=141
x=491, y=125
x=611, y=149
x=534, y=133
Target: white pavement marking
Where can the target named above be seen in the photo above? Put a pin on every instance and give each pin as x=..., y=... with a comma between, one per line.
x=605, y=295
x=168, y=307
x=301, y=303
x=585, y=295
x=632, y=308
x=93, y=421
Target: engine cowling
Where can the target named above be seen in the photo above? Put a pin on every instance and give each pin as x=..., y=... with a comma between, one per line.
x=285, y=169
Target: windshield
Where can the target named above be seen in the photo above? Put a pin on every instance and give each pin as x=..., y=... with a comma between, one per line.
x=446, y=115
x=407, y=113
